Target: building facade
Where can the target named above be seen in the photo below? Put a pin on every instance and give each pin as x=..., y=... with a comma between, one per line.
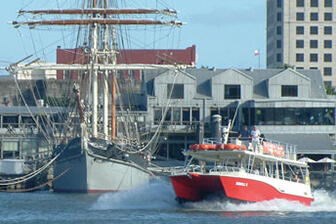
x=286, y=105
x=302, y=33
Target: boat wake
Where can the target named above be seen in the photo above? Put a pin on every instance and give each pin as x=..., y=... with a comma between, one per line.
x=324, y=202
x=158, y=195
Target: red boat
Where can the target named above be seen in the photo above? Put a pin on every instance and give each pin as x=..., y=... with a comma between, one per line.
x=257, y=172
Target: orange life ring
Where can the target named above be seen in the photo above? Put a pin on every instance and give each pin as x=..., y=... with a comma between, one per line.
x=231, y=146
x=193, y=147
x=206, y=146
x=220, y=146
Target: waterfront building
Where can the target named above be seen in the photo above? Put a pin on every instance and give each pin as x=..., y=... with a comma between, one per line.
x=286, y=105
x=302, y=33
x=186, y=56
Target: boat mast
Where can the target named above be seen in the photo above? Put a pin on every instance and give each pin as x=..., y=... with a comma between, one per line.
x=94, y=76
x=113, y=90
x=105, y=80
x=99, y=19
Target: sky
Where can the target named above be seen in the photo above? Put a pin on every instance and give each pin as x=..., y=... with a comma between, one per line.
x=226, y=32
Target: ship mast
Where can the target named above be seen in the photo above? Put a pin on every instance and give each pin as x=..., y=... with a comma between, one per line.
x=100, y=21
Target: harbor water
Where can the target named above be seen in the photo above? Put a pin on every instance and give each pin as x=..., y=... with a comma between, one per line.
x=156, y=204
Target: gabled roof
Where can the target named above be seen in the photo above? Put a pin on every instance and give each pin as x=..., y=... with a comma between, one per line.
x=240, y=72
x=259, y=77
x=290, y=71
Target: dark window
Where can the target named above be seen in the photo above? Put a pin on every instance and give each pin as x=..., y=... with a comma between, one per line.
x=313, y=57
x=289, y=91
x=328, y=30
x=279, y=30
x=299, y=16
x=313, y=68
x=176, y=91
x=328, y=3
x=299, y=67
x=299, y=57
x=300, y=30
x=327, y=16
x=313, y=16
x=327, y=71
x=232, y=92
x=157, y=115
x=313, y=30
x=327, y=83
x=279, y=44
x=327, y=43
x=299, y=43
x=314, y=3
x=299, y=3
x=313, y=44
x=327, y=57
x=279, y=3
x=279, y=16
x=195, y=114
x=185, y=115
x=279, y=57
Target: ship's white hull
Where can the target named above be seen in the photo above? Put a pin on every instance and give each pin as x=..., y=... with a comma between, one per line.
x=88, y=174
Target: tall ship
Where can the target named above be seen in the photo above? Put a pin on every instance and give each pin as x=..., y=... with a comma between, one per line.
x=242, y=171
x=99, y=151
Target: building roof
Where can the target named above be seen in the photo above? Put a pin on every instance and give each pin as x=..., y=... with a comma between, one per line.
x=134, y=56
x=259, y=76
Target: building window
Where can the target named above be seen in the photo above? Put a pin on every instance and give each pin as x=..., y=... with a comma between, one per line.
x=299, y=57
x=313, y=3
x=328, y=3
x=299, y=16
x=299, y=67
x=313, y=44
x=300, y=30
x=232, y=92
x=299, y=43
x=313, y=57
x=279, y=3
x=176, y=91
x=289, y=91
x=327, y=57
x=313, y=16
x=279, y=57
x=327, y=83
x=327, y=16
x=327, y=43
x=313, y=68
x=314, y=30
x=279, y=16
x=279, y=30
x=328, y=30
x=299, y=3
x=279, y=44
x=327, y=71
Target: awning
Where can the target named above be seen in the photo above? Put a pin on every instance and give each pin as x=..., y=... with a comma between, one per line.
x=306, y=143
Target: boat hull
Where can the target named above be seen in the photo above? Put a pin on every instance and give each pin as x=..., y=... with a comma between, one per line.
x=195, y=187
x=86, y=173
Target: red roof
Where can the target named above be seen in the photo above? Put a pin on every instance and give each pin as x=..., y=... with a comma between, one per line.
x=163, y=56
